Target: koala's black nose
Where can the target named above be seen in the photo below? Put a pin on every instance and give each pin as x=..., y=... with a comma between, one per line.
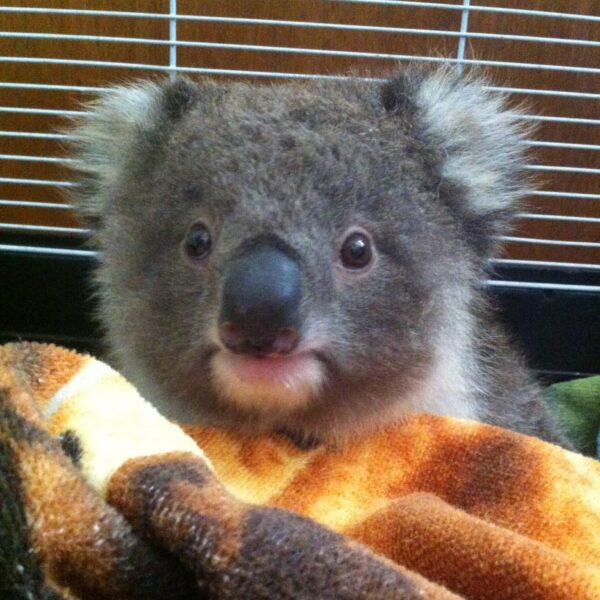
x=260, y=307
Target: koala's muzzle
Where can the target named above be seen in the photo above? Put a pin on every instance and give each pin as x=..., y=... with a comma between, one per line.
x=260, y=306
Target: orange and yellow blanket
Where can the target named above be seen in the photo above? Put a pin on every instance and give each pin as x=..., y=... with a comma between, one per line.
x=101, y=497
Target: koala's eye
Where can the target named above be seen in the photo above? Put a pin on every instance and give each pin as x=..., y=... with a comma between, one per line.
x=198, y=242
x=356, y=251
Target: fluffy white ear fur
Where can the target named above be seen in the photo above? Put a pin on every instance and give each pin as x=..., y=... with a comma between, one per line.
x=105, y=133
x=482, y=139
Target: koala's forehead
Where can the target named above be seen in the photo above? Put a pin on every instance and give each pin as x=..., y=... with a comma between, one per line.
x=327, y=141
x=311, y=106
x=294, y=126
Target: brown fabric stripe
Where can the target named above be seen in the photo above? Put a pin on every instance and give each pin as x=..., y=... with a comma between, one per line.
x=21, y=573
x=440, y=542
x=81, y=543
x=44, y=367
x=178, y=501
x=241, y=551
x=522, y=484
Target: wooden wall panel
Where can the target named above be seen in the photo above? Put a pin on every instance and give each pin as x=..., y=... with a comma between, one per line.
x=318, y=11
x=553, y=54
x=317, y=38
x=62, y=75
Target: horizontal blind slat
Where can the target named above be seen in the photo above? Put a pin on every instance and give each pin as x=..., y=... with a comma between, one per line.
x=309, y=24
x=541, y=241
x=399, y=57
x=508, y=90
x=34, y=204
x=27, y=228
x=512, y=262
x=408, y=3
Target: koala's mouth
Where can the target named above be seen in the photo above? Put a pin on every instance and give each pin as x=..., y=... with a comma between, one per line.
x=274, y=369
x=282, y=382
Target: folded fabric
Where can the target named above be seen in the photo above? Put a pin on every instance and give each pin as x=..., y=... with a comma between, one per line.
x=100, y=497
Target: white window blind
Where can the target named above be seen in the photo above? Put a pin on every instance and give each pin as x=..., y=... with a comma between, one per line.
x=545, y=53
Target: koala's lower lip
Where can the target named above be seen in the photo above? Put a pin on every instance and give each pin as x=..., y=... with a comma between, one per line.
x=269, y=383
x=283, y=370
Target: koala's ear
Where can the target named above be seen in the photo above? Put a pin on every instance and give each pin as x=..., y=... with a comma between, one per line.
x=479, y=142
x=117, y=131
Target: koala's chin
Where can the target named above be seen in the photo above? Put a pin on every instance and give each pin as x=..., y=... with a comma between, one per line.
x=277, y=383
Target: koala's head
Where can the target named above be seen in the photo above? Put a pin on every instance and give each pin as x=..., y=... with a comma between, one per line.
x=295, y=255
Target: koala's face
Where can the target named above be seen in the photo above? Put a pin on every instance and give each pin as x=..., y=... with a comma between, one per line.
x=281, y=256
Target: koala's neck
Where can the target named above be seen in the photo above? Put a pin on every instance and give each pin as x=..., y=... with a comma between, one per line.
x=453, y=386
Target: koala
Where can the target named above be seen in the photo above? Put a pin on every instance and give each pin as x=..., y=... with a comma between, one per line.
x=308, y=258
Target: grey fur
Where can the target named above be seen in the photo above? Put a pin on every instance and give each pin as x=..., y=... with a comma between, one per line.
x=430, y=164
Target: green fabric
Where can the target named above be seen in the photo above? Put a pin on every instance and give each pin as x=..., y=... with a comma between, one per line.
x=576, y=405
